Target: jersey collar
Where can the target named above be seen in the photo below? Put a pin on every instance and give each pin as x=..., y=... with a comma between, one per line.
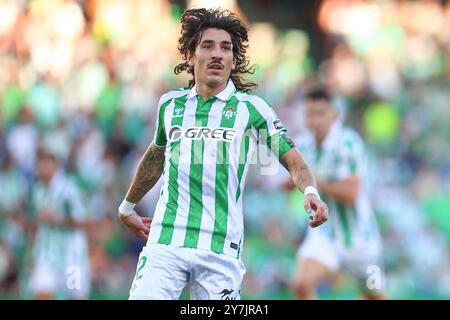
x=224, y=95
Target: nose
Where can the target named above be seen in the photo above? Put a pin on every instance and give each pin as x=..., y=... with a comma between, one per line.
x=216, y=53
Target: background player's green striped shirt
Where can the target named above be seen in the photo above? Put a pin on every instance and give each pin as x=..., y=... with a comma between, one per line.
x=342, y=155
x=209, y=145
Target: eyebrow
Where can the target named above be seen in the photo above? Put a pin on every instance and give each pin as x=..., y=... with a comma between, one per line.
x=212, y=41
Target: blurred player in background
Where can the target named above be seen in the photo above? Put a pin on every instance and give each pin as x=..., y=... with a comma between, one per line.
x=351, y=241
x=60, y=256
x=13, y=221
x=203, y=146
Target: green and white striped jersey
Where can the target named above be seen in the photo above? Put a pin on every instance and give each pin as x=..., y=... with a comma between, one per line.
x=341, y=155
x=209, y=145
x=57, y=246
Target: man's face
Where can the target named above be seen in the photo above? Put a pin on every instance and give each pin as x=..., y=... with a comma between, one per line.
x=319, y=117
x=46, y=168
x=213, y=58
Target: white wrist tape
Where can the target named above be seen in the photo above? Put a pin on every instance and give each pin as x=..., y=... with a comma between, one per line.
x=126, y=208
x=311, y=190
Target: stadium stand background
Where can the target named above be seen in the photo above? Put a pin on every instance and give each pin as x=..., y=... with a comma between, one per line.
x=85, y=77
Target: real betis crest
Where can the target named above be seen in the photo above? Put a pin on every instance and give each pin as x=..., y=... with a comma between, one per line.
x=229, y=112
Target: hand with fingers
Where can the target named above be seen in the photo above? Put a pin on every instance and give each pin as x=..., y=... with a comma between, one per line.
x=140, y=226
x=316, y=209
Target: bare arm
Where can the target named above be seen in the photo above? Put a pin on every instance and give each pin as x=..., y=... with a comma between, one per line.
x=344, y=191
x=298, y=169
x=148, y=172
x=302, y=177
x=48, y=217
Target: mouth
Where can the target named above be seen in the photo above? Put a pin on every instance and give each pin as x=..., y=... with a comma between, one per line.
x=215, y=66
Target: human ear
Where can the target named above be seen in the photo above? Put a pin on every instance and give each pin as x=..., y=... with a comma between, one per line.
x=190, y=59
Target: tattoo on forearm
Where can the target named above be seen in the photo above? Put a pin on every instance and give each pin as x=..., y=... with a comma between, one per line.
x=300, y=172
x=148, y=172
x=304, y=177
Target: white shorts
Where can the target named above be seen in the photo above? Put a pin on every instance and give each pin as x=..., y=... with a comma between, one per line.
x=163, y=271
x=63, y=268
x=72, y=281
x=362, y=261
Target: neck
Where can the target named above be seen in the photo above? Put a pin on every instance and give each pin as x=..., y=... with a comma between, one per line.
x=206, y=91
x=319, y=140
x=47, y=180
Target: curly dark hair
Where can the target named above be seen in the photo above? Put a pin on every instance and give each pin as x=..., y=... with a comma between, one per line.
x=195, y=21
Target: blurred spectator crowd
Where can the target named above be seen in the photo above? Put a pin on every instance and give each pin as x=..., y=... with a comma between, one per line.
x=83, y=79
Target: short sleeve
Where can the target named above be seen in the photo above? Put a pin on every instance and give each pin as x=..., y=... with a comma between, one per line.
x=271, y=130
x=160, y=138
